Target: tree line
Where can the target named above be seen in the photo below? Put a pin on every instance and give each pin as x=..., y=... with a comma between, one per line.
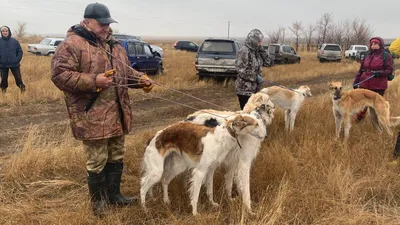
x=324, y=30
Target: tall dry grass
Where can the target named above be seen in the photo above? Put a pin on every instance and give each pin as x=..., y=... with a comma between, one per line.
x=304, y=177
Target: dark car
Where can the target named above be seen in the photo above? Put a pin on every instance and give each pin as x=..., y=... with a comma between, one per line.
x=141, y=57
x=216, y=58
x=283, y=54
x=186, y=45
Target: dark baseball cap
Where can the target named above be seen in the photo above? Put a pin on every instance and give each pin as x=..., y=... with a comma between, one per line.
x=99, y=12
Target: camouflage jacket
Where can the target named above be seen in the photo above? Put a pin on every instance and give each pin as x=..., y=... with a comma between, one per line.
x=74, y=67
x=249, y=64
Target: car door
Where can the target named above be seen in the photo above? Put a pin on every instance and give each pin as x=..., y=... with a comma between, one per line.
x=152, y=61
x=193, y=47
x=141, y=57
x=293, y=55
x=131, y=50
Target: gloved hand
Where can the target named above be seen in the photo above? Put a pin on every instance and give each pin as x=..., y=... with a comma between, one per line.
x=354, y=84
x=146, y=82
x=377, y=73
x=259, y=79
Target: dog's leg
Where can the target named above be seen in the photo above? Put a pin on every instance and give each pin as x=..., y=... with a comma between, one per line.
x=287, y=119
x=347, y=126
x=174, y=166
x=210, y=188
x=230, y=173
x=375, y=119
x=245, y=184
x=153, y=170
x=338, y=122
x=196, y=181
x=292, y=119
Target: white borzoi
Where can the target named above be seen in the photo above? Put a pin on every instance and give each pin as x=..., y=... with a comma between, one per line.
x=195, y=146
x=290, y=100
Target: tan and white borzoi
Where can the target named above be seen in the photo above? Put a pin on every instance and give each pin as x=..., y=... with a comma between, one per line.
x=347, y=103
x=290, y=100
x=238, y=162
x=192, y=146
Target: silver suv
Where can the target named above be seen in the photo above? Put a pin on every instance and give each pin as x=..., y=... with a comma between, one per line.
x=216, y=58
x=329, y=52
x=46, y=47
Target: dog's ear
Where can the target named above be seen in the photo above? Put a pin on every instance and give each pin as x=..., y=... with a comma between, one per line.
x=330, y=86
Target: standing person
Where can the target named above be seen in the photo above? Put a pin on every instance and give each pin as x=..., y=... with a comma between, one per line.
x=377, y=62
x=98, y=105
x=395, y=49
x=249, y=62
x=10, y=58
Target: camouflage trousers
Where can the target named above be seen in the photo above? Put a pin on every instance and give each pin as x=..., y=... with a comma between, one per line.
x=103, y=151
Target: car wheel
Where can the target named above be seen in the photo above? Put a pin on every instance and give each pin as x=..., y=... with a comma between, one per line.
x=321, y=60
x=50, y=54
x=298, y=61
x=160, y=70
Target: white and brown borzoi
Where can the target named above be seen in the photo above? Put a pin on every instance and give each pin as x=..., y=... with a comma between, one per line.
x=290, y=100
x=347, y=103
x=238, y=162
x=194, y=146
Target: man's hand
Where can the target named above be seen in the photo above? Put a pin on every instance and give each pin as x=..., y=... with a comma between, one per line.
x=102, y=81
x=146, y=82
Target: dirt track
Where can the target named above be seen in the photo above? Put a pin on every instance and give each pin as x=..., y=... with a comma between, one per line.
x=148, y=111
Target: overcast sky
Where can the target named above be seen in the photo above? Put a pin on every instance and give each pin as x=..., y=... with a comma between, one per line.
x=205, y=18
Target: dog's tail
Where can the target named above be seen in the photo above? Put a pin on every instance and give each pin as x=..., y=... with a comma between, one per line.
x=394, y=121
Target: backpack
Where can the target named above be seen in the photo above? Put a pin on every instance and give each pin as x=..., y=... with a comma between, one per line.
x=390, y=76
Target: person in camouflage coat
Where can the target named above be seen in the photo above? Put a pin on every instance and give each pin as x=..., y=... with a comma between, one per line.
x=100, y=114
x=250, y=59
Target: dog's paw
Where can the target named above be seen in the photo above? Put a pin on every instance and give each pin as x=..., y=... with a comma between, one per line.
x=167, y=201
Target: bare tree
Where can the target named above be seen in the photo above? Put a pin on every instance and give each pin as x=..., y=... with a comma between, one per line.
x=276, y=35
x=338, y=33
x=297, y=30
x=362, y=31
x=309, y=32
x=323, y=25
x=347, y=34
x=20, y=32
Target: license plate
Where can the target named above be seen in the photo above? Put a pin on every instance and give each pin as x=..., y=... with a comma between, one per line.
x=216, y=70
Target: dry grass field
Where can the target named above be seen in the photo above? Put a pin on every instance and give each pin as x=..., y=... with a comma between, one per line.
x=304, y=177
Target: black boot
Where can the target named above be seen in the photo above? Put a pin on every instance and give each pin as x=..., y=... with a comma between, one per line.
x=113, y=176
x=396, y=152
x=98, y=192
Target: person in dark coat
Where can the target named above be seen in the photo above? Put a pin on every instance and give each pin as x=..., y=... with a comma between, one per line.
x=10, y=58
x=374, y=65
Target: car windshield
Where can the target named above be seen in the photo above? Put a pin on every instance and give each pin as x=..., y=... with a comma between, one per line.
x=332, y=48
x=361, y=48
x=45, y=41
x=218, y=46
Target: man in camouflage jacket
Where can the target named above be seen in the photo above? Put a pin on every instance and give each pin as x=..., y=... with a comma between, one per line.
x=250, y=59
x=100, y=114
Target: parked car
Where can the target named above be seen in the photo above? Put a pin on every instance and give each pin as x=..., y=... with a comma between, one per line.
x=351, y=52
x=141, y=57
x=283, y=54
x=186, y=45
x=46, y=47
x=329, y=52
x=360, y=54
x=216, y=58
x=157, y=50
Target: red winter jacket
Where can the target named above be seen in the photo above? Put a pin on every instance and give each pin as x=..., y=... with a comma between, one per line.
x=374, y=62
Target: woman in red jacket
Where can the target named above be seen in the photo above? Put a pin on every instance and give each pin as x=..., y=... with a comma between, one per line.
x=377, y=63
